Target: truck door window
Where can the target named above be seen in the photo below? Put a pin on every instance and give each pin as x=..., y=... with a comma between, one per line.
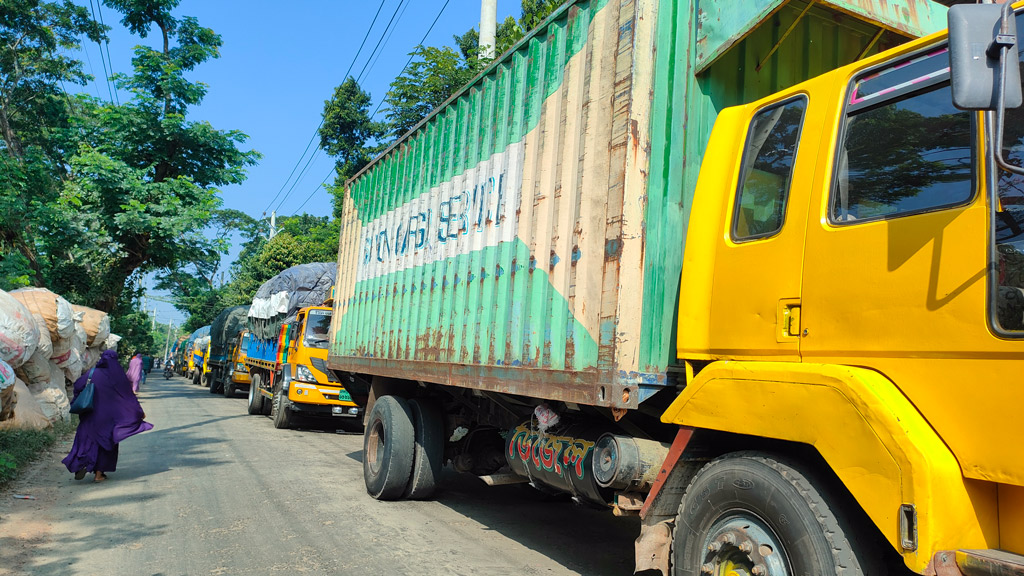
x=1009, y=227
x=318, y=327
x=766, y=170
x=905, y=149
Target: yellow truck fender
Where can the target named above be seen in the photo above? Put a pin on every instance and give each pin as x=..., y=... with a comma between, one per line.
x=870, y=435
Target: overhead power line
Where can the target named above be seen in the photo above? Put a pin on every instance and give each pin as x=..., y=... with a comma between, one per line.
x=381, y=40
x=315, y=132
x=407, y=62
x=106, y=43
x=106, y=75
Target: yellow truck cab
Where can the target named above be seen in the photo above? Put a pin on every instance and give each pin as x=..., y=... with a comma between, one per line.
x=297, y=380
x=238, y=372
x=204, y=374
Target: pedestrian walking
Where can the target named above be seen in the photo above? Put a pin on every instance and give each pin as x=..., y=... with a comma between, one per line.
x=135, y=371
x=147, y=366
x=116, y=415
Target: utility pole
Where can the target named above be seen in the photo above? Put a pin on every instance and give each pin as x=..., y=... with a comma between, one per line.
x=167, y=344
x=488, y=24
x=273, y=225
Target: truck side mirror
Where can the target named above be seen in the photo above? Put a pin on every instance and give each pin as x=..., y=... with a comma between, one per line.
x=977, y=37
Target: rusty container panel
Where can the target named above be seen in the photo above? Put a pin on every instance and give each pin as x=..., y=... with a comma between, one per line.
x=527, y=237
x=500, y=244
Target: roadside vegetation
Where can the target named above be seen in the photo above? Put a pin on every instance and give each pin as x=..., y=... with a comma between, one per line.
x=118, y=189
x=19, y=448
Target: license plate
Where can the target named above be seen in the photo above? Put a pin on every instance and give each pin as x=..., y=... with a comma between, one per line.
x=344, y=396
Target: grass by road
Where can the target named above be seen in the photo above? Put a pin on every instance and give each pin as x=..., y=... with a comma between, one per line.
x=18, y=448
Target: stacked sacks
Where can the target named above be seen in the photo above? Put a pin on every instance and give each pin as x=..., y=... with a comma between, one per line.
x=46, y=379
x=19, y=348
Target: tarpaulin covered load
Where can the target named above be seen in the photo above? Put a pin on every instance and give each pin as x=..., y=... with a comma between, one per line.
x=96, y=324
x=19, y=335
x=279, y=299
x=225, y=328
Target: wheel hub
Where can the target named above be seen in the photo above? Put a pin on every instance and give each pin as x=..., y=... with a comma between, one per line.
x=743, y=545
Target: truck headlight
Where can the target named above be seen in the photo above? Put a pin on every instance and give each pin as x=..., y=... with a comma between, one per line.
x=240, y=367
x=304, y=374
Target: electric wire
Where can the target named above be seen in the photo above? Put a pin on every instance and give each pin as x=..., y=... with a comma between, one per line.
x=380, y=41
x=315, y=132
x=110, y=91
x=407, y=62
x=106, y=42
x=412, y=55
x=388, y=39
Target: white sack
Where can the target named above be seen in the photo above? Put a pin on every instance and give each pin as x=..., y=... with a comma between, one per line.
x=19, y=336
x=36, y=370
x=27, y=413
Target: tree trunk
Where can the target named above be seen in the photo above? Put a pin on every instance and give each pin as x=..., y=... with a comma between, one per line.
x=8, y=135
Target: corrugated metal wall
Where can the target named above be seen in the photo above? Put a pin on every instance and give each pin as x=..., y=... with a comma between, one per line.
x=504, y=232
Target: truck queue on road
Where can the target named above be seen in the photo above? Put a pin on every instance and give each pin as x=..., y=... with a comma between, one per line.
x=767, y=307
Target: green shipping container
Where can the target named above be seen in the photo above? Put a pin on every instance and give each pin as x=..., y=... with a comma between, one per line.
x=527, y=237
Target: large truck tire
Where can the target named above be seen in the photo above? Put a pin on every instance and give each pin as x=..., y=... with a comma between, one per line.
x=730, y=517
x=279, y=409
x=228, y=388
x=428, y=451
x=214, y=388
x=388, y=448
x=195, y=378
x=255, y=398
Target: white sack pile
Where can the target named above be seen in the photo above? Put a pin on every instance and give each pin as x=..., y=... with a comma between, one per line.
x=45, y=377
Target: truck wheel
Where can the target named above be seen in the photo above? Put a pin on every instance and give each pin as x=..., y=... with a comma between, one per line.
x=255, y=398
x=229, y=389
x=388, y=448
x=195, y=378
x=214, y=388
x=279, y=409
x=428, y=452
x=748, y=510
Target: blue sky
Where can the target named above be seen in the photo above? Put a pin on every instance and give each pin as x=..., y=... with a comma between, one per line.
x=277, y=67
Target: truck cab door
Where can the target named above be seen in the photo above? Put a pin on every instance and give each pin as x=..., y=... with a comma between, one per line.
x=755, y=304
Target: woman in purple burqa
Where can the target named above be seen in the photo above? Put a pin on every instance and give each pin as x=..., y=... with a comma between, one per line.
x=116, y=415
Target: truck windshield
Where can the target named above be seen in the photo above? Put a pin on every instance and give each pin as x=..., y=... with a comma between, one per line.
x=318, y=326
x=1009, y=226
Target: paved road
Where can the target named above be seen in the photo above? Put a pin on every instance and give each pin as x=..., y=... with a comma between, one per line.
x=214, y=491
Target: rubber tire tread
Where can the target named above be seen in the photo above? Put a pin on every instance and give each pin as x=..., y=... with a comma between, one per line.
x=785, y=491
x=255, y=399
x=228, y=389
x=428, y=452
x=398, y=450
x=279, y=410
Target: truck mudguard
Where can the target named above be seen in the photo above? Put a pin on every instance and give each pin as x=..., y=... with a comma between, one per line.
x=872, y=437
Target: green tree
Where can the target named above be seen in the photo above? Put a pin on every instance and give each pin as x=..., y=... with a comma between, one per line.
x=35, y=115
x=348, y=133
x=432, y=77
x=438, y=73
x=277, y=254
x=145, y=180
